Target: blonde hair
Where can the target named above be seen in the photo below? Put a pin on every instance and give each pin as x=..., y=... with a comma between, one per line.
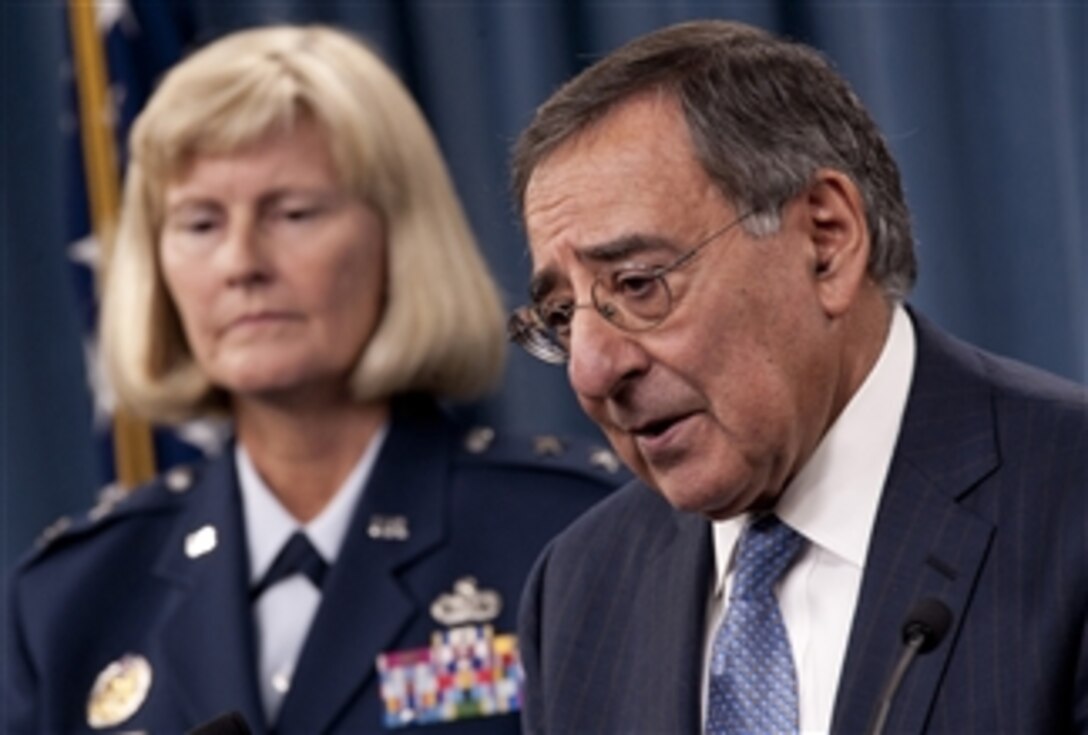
x=441, y=330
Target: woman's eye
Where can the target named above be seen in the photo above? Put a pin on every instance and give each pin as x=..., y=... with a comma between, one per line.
x=199, y=226
x=194, y=225
x=304, y=208
x=299, y=214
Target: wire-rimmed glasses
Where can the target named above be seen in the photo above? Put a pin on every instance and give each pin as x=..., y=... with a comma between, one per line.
x=632, y=298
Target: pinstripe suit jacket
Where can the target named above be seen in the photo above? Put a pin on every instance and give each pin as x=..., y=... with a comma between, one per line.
x=985, y=507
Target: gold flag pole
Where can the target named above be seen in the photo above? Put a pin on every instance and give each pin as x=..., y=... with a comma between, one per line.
x=134, y=452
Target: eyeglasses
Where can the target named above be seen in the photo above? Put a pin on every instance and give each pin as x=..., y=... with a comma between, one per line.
x=632, y=298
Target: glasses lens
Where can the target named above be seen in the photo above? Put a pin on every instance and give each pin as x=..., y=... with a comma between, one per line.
x=526, y=329
x=633, y=299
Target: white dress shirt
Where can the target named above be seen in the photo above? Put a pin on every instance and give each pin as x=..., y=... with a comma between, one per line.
x=832, y=502
x=284, y=612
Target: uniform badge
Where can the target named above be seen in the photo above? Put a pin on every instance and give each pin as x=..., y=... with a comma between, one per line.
x=466, y=604
x=467, y=671
x=179, y=479
x=54, y=531
x=108, y=498
x=118, y=691
x=547, y=445
x=605, y=460
x=479, y=439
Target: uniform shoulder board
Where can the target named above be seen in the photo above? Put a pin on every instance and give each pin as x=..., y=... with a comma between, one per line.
x=543, y=451
x=113, y=501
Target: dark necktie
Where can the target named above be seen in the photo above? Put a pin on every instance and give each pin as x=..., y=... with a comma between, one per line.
x=753, y=684
x=298, y=556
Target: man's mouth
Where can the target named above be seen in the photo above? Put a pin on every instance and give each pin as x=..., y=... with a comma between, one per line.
x=656, y=427
x=659, y=432
x=664, y=441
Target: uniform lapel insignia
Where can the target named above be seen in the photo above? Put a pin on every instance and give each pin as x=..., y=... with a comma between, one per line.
x=119, y=691
x=201, y=541
x=388, y=528
x=466, y=604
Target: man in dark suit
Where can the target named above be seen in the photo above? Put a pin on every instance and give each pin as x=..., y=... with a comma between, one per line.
x=721, y=252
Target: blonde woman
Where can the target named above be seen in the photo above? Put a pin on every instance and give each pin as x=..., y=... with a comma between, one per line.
x=292, y=256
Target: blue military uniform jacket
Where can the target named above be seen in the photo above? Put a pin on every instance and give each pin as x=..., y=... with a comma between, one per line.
x=156, y=585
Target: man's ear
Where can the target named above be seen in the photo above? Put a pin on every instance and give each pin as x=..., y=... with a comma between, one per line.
x=834, y=219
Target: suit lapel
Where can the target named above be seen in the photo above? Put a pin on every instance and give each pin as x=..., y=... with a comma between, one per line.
x=207, y=638
x=676, y=604
x=653, y=680
x=924, y=543
x=364, y=607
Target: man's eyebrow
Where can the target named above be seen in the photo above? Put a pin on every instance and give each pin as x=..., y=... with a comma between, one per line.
x=613, y=251
x=625, y=247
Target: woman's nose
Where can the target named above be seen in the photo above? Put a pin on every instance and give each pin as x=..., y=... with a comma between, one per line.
x=242, y=256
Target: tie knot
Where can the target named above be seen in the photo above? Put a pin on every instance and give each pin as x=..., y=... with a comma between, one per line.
x=767, y=549
x=298, y=556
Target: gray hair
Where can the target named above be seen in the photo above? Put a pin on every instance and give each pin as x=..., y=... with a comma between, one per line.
x=764, y=115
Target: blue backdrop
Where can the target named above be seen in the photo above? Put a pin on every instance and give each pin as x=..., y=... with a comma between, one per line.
x=985, y=106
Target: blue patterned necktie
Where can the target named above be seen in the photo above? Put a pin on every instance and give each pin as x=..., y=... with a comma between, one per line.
x=753, y=685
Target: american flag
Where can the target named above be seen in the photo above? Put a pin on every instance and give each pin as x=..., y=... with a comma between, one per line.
x=117, y=51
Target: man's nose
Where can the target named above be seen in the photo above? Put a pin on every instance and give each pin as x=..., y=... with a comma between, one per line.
x=602, y=356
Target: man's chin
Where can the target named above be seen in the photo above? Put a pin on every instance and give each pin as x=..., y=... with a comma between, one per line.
x=682, y=498
x=712, y=503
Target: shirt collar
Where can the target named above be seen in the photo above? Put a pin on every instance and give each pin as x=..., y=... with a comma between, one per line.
x=832, y=501
x=269, y=525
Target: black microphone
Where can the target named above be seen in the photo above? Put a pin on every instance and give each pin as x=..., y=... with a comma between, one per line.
x=924, y=628
x=231, y=723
